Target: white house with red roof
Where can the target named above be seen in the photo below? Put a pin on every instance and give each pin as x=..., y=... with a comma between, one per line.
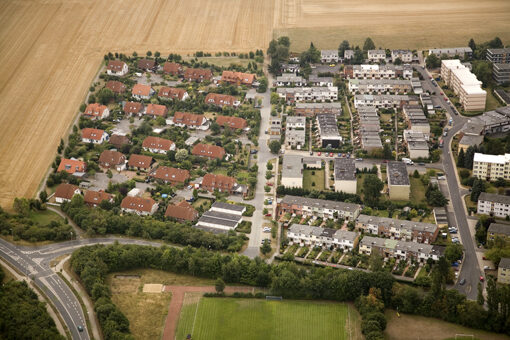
x=95, y=136
x=142, y=91
x=96, y=111
x=117, y=68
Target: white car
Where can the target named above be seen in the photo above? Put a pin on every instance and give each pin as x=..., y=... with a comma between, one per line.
x=266, y=230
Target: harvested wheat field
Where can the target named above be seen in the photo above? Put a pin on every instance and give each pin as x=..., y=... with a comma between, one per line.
x=52, y=49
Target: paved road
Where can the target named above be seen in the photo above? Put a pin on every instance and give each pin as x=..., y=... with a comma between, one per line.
x=470, y=269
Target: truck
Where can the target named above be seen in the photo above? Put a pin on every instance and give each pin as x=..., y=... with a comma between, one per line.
x=407, y=161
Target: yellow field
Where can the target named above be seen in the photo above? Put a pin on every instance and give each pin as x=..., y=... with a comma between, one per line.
x=51, y=50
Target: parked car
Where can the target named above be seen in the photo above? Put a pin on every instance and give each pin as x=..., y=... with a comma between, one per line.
x=268, y=215
x=253, y=151
x=462, y=282
x=319, y=153
x=330, y=154
x=266, y=230
x=339, y=154
x=359, y=159
x=481, y=279
x=311, y=153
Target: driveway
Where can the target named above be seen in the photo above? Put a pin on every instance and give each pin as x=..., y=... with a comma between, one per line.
x=100, y=180
x=124, y=126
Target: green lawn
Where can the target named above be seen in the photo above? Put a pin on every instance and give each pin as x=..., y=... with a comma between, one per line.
x=228, y=318
x=313, y=176
x=417, y=191
x=200, y=202
x=492, y=102
x=45, y=216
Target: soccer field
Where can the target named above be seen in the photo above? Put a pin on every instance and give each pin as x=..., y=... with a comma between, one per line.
x=228, y=318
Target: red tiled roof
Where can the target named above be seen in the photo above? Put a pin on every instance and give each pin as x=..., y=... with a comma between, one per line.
x=115, y=65
x=171, y=92
x=72, y=165
x=197, y=74
x=112, y=158
x=182, y=211
x=225, y=183
x=156, y=110
x=207, y=150
x=137, y=203
x=168, y=174
x=116, y=86
x=133, y=107
x=140, y=161
x=65, y=190
x=96, y=197
x=232, y=122
x=157, y=143
x=146, y=64
x=238, y=77
x=187, y=118
x=94, y=110
x=172, y=68
x=220, y=99
x=89, y=133
x=141, y=90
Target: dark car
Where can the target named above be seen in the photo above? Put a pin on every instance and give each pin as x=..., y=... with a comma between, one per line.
x=462, y=282
x=80, y=328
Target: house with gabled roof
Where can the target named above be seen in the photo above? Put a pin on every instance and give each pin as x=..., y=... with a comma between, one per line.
x=94, y=198
x=140, y=162
x=139, y=205
x=197, y=74
x=170, y=175
x=95, y=136
x=133, y=108
x=116, y=86
x=65, y=192
x=169, y=93
x=174, y=69
x=221, y=100
x=208, y=151
x=111, y=159
x=72, y=166
x=117, y=68
x=238, y=78
x=182, y=212
x=147, y=64
x=222, y=183
x=231, y=122
x=156, y=110
x=96, y=111
x=190, y=120
x=157, y=145
x=142, y=91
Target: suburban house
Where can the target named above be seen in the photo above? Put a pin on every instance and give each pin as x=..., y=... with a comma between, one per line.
x=140, y=162
x=420, y=232
x=275, y=126
x=139, y=205
x=306, y=235
x=451, y=52
x=222, y=183
x=292, y=171
x=96, y=111
x=345, y=175
x=112, y=159
x=116, y=86
x=399, y=185
x=172, y=93
x=327, y=131
x=312, y=109
x=405, y=55
x=156, y=110
x=290, y=68
x=65, y=192
x=231, y=122
x=72, y=166
x=221, y=100
x=142, y=91
x=147, y=64
x=238, y=78
x=94, y=198
x=304, y=206
x=493, y=205
x=504, y=270
x=117, y=68
x=464, y=84
x=329, y=56
x=498, y=230
x=157, y=145
x=190, y=120
x=376, y=55
x=197, y=74
x=208, y=150
x=173, y=176
x=95, y=136
x=401, y=250
x=174, y=69
x=182, y=212
x=133, y=108
x=118, y=140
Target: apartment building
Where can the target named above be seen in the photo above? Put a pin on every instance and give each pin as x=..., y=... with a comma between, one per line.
x=498, y=55
x=304, y=206
x=306, y=235
x=366, y=71
x=504, y=270
x=292, y=171
x=419, y=232
x=451, y=52
x=491, y=167
x=399, y=185
x=345, y=175
x=495, y=121
x=501, y=73
x=464, y=84
x=384, y=100
x=405, y=55
x=327, y=131
x=499, y=230
x=379, y=86
x=329, y=56
x=401, y=250
x=376, y=55
x=290, y=79
x=312, y=109
x=302, y=94
x=493, y=205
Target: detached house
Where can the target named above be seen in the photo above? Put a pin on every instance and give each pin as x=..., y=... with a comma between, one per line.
x=238, y=78
x=133, y=108
x=141, y=91
x=172, y=93
x=170, y=175
x=182, y=212
x=231, y=122
x=117, y=68
x=94, y=198
x=157, y=145
x=140, y=162
x=72, y=166
x=139, y=205
x=190, y=120
x=156, y=110
x=116, y=86
x=65, y=192
x=197, y=74
x=147, y=64
x=209, y=151
x=96, y=111
x=174, y=69
x=221, y=100
x=95, y=136
x=112, y=159
x=222, y=183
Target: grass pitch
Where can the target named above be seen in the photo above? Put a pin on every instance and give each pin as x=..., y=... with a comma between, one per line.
x=228, y=318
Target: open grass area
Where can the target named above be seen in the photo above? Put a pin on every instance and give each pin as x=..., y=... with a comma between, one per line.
x=204, y=202
x=400, y=328
x=417, y=191
x=228, y=318
x=313, y=176
x=223, y=61
x=44, y=217
x=492, y=102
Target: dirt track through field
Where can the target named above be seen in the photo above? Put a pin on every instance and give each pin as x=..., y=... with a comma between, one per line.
x=51, y=50
x=178, y=293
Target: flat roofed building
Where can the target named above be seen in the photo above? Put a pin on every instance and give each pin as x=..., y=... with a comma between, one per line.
x=292, y=171
x=417, y=144
x=304, y=94
x=345, y=175
x=379, y=86
x=218, y=221
x=399, y=185
x=498, y=55
x=401, y=250
x=491, y=167
x=376, y=55
x=441, y=217
x=384, y=100
x=290, y=79
x=464, y=52
x=501, y=73
x=405, y=55
x=328, y=134
x=464, y=84
x=295, y=138
x=493, y=205
x=367, y=71
x=228, y=208
x=304, y=206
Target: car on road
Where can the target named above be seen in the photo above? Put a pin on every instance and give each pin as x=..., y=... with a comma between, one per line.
x=421, y=164
x=80, y=328
x=319, y=153
x=269, y=184
x=332, y=65
x=462, y=282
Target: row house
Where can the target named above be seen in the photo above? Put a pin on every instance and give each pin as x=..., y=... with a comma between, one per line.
x=498, y=230
x=221, y=100
x=117, y=68
x=306, y=235
x=493, y=205
x=158, y=145
x=139, y=205
x=378, y=71
x=405, y=56
x=376, y=55
x=94, y=136
x=111, y=159
x=290, y=79
x=401, y=250
x=398, y=229
x=222, y=183
x=384, y=100
x=302, y=94
x=463, y=52
x=314, y=80
x=169, y=93
x=238, y=78
x=172, y=176
x=329, y=56
x=96, y=111
x=190, y=120
x=290, y=68
x=379, y=86
x=304, y=206
x=312, y=109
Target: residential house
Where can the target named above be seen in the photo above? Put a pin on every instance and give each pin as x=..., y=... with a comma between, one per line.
x=72, y=166
x=304, y=206
x=275, y=126
x=498, y=55
x=96, y=111
x=172, y=93
x=329, y=56
x=156, y=110
x=290, y=79
x=491, y=167
x=142, y=91
x=348, y=54
x=209, y=151
x=327, y=131
x=197, y=74
x=182, y=212
x=345, y=175
x=290, y=68
x=116, y=86
x=417, y=144
x=295, y=123
x=306, y=235
x=228, y=208
x=501, y=73
x=401, y=250
x=190, y=120
x=117, y=68
x=405, y=56
x=94, y=136
x=301, y=94
x=147, y=64
x=218, y=222
x=140, y=162
x=231, y=122
x=399, y=185
x=312, y=109
x=133, y=108
x=376, y=55
x=498, y=230
x=369, y=86
x=384, y=100
x=174, y=69
x=158, y=145
x=504, y=270
x=139, y=205
x=221, y=100
x=493, y=205
x=366, y=71
x=65, y=192
x=94, y=198
x=295, y=138
x=112, y=159
x=451, y=52
x=314, y=80
x=222, y=183
x=171, y=176
x=238, y=78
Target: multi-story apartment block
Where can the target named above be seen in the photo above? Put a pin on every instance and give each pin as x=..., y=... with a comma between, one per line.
x=504, y=271
x=463, y=52
x=419, y=232
x=304, y=206
x=398, y=181
x=378, y=71
x=498, y=55
x=405, y=55
x=491, y=167
x=322, y=237
x=379, y=86
x=376, y=55
x=499, y=230
x=401, y=250
x=501, y=73
x=464, y=84
x=302, y=94
x=493, y=205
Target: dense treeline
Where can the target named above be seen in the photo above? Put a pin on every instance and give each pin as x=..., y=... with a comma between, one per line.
x=22, y=316
x=327, y=195
x=100, y=222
